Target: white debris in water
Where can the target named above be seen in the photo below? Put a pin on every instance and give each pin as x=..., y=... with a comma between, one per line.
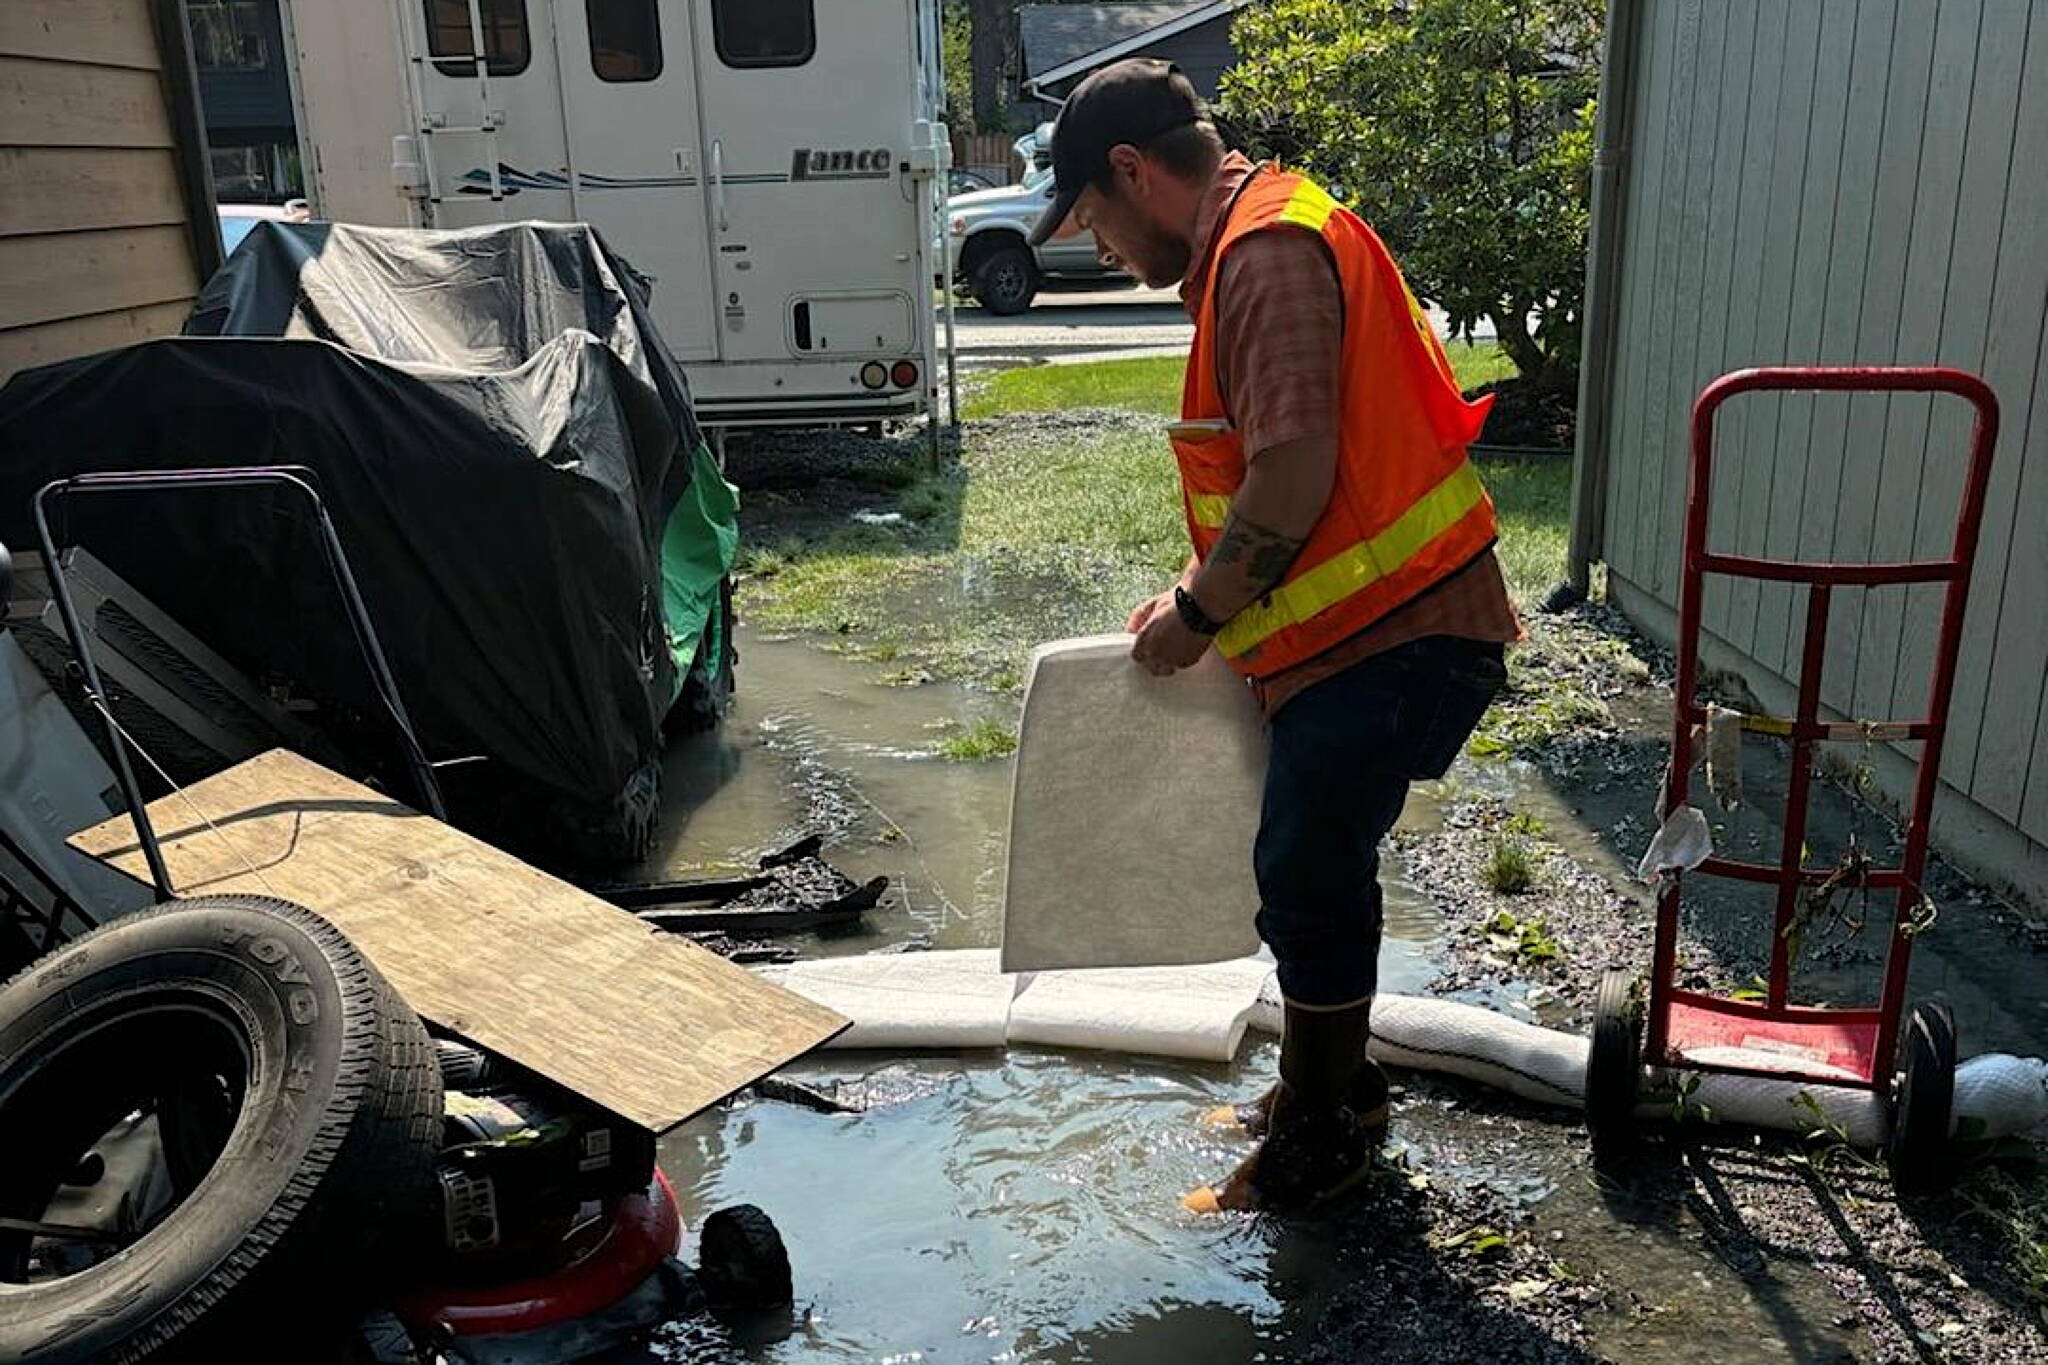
x=867, y=518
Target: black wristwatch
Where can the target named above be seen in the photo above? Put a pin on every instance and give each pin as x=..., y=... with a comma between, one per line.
x=1191, y=614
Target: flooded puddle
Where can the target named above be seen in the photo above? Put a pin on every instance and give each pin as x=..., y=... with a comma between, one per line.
x=815, y=744
x=1025, y=1206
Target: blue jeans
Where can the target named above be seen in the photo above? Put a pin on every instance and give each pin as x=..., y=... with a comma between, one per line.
x=1343, y=753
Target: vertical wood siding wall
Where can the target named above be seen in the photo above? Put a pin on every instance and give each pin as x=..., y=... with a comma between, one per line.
x=1837, y=181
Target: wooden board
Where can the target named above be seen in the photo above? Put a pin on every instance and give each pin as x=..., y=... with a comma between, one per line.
x=651, y=1027
x=70, y=274
x=70, y=189
x=24, y=347
x=102, y=32
x=57, y=104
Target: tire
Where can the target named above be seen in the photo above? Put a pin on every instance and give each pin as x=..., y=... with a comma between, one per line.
x=1006, y=280
x=741, y=1261
x=1614, y=1065
x=1925, y=1098
x=330, y=1122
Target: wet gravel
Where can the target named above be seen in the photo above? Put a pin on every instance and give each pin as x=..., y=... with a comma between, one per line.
x=1437, y=1271
x=1577, y=923
x=1934, y=1278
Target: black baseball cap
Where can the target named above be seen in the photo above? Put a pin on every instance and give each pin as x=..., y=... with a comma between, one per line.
x=1134, y=101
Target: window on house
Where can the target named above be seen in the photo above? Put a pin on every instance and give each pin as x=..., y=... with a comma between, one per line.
x=625, y=39
x=763, y=32
x=505, y=39
x=228, y=35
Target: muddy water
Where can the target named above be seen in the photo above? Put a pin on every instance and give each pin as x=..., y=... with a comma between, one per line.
x=816, y=742
x=1025, y=1206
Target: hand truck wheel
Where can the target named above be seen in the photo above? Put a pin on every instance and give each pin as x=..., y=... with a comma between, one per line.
x=1614, y=1065
x=1925, y=1095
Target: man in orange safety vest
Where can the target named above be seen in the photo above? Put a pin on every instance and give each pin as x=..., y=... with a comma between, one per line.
x=1343, y=561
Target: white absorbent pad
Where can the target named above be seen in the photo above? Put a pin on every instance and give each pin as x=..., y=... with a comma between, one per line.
x=1198, y=1012
x=1135, y=804
x=962, y=999
x=908, y=1001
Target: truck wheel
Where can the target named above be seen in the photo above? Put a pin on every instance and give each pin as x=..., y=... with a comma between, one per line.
x=1926, y=1095
x=298, y=1108
x=1614, y=1064
x=1006, y=280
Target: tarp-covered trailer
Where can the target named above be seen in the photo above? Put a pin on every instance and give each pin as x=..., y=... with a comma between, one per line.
x=509, y=452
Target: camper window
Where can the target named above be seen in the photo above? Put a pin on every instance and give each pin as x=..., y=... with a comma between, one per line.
x=505, y=40
x=763, y=32
x=625, y=39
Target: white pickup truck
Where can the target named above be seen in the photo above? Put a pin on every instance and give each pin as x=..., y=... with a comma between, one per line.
x=990, y=254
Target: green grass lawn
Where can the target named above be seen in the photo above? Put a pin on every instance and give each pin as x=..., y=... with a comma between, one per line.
x=1043, y=531
x=1123, y=493
x=1152, y=383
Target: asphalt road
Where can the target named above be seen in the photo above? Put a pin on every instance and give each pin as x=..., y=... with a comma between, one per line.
x=1068, y=324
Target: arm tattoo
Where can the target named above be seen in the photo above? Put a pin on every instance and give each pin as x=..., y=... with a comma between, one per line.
x=1267, y=554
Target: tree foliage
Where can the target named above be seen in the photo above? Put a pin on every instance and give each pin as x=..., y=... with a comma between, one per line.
x=955, y=48
x=1461, y=129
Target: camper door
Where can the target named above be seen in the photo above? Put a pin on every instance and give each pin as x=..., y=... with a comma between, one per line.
x=597, y=123
x=628, y=92
x=807, y=113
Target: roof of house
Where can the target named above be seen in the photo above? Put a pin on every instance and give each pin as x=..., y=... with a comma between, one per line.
x=1055, y=35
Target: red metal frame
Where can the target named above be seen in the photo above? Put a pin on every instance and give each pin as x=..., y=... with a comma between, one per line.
x=1851, y=1046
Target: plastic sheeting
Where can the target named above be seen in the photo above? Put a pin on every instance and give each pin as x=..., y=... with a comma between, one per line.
x=504, y=444
x=489, y=299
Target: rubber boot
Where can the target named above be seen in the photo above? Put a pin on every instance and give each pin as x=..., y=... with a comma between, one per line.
x=1251, y=1119
x=1315, y=1148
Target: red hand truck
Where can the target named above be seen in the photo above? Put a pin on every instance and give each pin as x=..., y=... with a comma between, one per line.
x=1859, y=1047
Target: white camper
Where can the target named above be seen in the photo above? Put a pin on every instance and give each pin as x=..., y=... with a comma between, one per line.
x=775, y=166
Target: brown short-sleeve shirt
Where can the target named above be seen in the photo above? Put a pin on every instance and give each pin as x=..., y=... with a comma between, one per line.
x=1279, y=344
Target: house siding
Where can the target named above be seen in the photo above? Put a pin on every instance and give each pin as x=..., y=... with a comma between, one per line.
x=1836, y=182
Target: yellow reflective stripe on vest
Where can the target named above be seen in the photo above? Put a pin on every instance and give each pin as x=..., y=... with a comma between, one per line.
x=1360, y=566
x=1310, y=206
x=1209, y=509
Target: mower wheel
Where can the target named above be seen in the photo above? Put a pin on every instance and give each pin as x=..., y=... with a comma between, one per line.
x=741, y=1261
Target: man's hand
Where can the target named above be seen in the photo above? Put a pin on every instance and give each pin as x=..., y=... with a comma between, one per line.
x=1148, y=609
x=1165, y=645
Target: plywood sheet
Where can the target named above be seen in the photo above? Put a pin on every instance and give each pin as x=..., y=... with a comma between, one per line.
x=651, y=1027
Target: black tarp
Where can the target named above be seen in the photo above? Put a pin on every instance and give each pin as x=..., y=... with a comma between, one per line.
x=499, y=436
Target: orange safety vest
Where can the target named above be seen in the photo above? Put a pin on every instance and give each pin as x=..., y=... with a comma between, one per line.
x=1407, y=510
